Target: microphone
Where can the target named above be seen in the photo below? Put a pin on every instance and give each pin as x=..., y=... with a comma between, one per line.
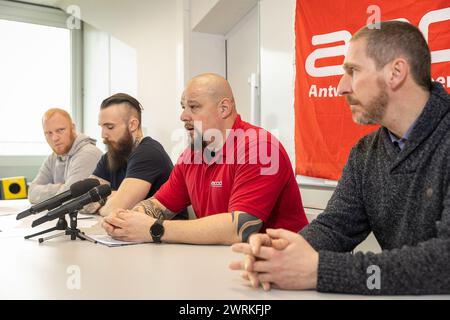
x=93, y=195
x=75, y=190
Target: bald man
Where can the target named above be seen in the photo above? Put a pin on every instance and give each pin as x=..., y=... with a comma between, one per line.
x=237, y=177
x=74, y=157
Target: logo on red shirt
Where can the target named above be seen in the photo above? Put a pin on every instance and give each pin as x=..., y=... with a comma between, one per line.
x=216, y=184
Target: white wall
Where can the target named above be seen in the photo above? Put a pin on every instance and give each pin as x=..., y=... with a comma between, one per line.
x=243, y=60
x=277, y=32
x=277, y=38
x=123, y=68
x=218, y=16
x=199, y=9
x=96, y=79
x=110, y=66
x=155, y=30
x=207, y=54
x=240, y=58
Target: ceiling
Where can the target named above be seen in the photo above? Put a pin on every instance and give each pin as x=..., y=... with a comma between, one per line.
x=224, y=16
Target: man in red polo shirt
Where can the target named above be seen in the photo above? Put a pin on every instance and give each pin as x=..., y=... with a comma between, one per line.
x=237, y=177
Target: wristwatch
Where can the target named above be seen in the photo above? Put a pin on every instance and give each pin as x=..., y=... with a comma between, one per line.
x=157, y=229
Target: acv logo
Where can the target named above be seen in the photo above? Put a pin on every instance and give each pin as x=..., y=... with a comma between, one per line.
x=345, y=36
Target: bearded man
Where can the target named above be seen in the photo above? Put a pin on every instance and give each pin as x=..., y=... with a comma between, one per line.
x=237, y=177
x=134, y=166
x=396, y=184
x=74, y=157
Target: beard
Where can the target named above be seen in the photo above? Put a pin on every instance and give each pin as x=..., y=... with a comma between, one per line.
x=68, y=147
x=118, y=152
x=375, y=109
x=196, y=141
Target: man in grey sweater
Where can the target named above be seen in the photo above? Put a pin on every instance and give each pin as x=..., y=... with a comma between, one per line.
x=74, y=157
x=396, y=184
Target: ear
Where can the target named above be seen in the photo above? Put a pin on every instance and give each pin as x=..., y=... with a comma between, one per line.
x=225, y=108
x=133, y=124
x=397, y=73
x=74, y=128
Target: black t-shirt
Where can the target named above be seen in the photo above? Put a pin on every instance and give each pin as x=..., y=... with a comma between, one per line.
x=148, y=162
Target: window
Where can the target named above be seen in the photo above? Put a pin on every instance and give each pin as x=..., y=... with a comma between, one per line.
x=36, y=63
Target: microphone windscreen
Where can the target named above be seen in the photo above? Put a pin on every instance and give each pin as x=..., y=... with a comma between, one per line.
x=83, y=186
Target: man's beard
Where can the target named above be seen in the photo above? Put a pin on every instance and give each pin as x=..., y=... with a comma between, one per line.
x=197, y=140
x=118, y=152
x=196, y=146
x=67, y=148
x=375, y=109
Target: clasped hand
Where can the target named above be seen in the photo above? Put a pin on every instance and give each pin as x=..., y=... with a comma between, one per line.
x=280, y=259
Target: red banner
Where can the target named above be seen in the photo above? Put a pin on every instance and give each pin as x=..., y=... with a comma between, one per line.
x=324, y=130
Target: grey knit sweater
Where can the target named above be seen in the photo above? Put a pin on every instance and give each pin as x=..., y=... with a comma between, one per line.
x=404, y=198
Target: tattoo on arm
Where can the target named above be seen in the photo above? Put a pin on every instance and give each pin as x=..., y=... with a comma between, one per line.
x=246, y=224
x=151, y=209
x=101, y=202
x=102, y=181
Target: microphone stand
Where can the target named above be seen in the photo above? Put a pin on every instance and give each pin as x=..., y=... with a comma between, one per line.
x=71, y=231
x=60, y=225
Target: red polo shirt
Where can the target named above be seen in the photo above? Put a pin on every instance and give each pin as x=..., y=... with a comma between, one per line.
x=252, y=173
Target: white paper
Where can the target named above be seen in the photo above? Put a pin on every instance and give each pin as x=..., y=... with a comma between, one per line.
x=13, y=207
x=110, y=242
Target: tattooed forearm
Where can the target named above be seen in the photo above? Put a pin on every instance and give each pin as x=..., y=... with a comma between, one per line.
x=246, y=224
x=102, y=181
x=151, y=209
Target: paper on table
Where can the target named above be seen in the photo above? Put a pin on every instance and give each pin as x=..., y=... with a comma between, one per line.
x=110, y=242
x=8, y=222
x=13, y=207
x=5, y=211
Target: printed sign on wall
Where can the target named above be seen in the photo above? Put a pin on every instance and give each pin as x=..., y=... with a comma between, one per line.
x=324, y=130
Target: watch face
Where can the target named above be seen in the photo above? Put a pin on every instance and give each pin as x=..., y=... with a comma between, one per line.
x=157, y=230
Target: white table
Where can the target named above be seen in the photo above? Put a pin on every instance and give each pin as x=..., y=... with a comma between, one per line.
x=50, y=270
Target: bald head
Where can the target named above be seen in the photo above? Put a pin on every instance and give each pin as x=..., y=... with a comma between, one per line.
x=59, y=130
x=56, y=111
x=208, y=103
x=211, y=85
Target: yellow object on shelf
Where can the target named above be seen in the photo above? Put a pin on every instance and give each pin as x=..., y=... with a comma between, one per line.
x=13, y=188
